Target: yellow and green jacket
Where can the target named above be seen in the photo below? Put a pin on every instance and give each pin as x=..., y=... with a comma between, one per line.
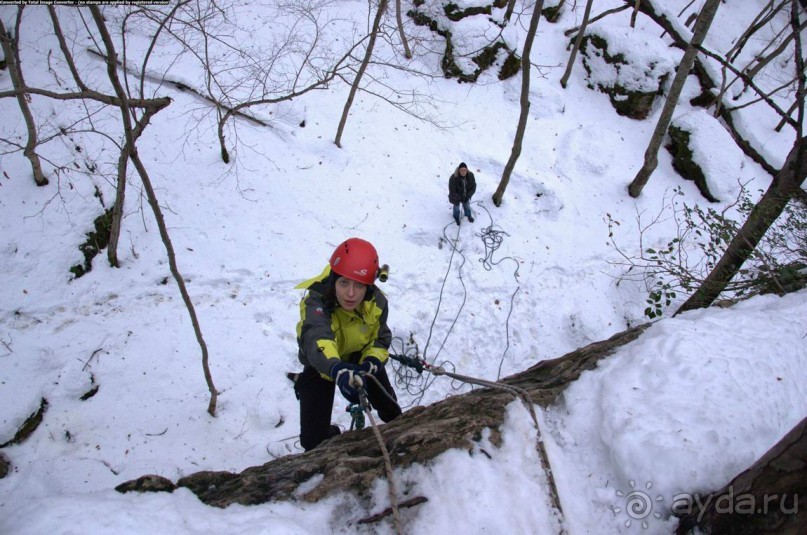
x=326, y=332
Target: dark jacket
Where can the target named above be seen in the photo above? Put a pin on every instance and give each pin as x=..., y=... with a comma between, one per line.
x=461, y=189
x=327, y=333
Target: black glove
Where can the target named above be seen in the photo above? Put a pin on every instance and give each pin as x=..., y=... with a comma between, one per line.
x=342, y=374
x=370, y=365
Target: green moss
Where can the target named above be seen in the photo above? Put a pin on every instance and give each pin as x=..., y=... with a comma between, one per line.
x=633, y=104
x=684, y=163
x=511, y=66
x=704, y=100
x=454, y=13
x=96, y=241
x=552, y=14
x=484, y=60
x=628, y=103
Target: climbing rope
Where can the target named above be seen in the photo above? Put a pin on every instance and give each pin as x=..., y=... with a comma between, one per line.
x=358, y=383
x=492, y=238
x=408, y=380
x=454, y=249
x=525, y=398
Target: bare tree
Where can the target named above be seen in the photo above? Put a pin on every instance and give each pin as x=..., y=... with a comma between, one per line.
x=511, y=6
x=785, y=185
x=133, y=125
x=705, y=18
x=11, y=44
x=601, y=16
x=382, y=7
x=131, y=150
x=399, y=18
x=525, y=104
x=764, y=61
x=634, y=13
x=577, y=41
x=764, y=17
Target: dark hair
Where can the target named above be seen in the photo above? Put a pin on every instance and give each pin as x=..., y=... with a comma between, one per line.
x=329, y=291
x=461, y=165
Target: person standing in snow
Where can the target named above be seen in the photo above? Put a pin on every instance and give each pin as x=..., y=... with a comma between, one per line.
x=343, y=334
x=461, y=187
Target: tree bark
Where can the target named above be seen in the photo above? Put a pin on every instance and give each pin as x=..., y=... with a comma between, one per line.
x=525, y=104
x=705, y=18
x=577, y=41
x=511, y=5
x=635, y=12
x=399, y=18
x=382, y=7
x=10, y=45
x=763, y=500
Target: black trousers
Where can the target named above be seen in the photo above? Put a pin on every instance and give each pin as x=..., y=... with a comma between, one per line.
x=316, y=404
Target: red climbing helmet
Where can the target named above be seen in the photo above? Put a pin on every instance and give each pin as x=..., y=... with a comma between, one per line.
x=355, y=259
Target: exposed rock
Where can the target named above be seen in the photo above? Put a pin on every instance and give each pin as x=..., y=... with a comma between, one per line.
x=5, y=466
x=484, y=59
x=29, y=426
x=353, y=461
x=552, y=12
x=96, y=241
x=632, y=88
x=684, y=163
x=149, y=483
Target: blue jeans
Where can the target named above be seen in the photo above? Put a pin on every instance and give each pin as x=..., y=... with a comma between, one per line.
x=466, y=207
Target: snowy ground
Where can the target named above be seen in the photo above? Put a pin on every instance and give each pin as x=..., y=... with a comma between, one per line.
x=694, y=401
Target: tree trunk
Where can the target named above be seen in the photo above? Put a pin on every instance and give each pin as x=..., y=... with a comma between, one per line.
x=511, y=5
x=382, y=7
x=117, y=209
x=763, y=500
x=577, y=41
x=10, y=45
x=525, y=104
x=352, y=461
x=757, y=24
x=785, y=185
x=635, y=12
x=131, y=148
x=705, y=18
x=399, y=18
